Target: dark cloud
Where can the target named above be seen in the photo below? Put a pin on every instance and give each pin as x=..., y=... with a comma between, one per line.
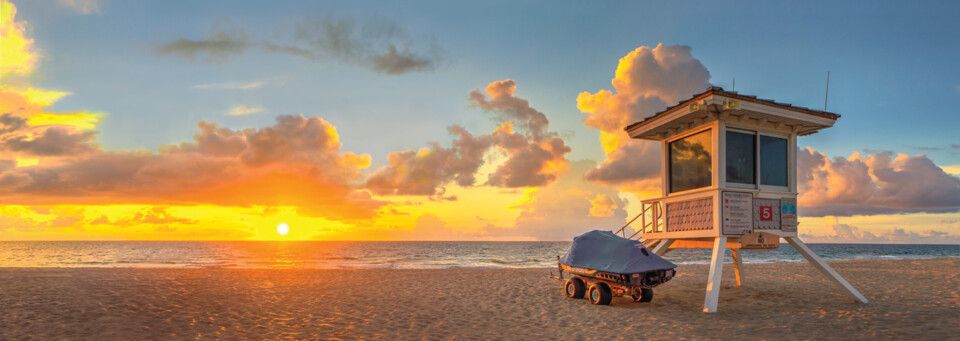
x=19, y=138
x=52, y=141
x=379, y=46
x=224, y=42
x=881, y=183
x=396, y=62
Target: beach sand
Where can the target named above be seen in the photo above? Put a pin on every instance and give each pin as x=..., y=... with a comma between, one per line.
x=910, y=299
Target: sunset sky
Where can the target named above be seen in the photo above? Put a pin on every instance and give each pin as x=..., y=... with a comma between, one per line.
x=219, y=120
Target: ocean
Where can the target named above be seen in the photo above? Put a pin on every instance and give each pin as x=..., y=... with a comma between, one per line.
x=398, y=255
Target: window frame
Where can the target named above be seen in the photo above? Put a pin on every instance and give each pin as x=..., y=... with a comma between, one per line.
x=758, y=182
x=713, y=160
x=756, y=159
x=774, y=188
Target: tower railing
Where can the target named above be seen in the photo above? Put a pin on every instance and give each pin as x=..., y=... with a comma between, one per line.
x=651, y=219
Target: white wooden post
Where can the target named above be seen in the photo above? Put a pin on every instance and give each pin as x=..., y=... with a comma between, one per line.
x=823, y=267
x=737, y=263
x=662, y=247
x=713, y=279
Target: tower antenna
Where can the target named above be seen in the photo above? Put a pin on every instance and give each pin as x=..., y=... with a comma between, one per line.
x=827, y=93
x=734, y=85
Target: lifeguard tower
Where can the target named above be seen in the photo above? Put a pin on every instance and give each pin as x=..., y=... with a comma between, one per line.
x=729, y=180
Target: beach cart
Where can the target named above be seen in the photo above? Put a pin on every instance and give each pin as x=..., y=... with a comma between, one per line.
x=603, y=265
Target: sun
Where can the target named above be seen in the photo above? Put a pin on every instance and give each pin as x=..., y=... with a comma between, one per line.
x=283, y=229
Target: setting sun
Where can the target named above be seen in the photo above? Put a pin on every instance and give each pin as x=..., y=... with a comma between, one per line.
x=283, y=229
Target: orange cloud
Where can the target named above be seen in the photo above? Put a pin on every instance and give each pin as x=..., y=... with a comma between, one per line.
x=875, y=184
x=296, y=162
x=19, y=55
x=646, y=81
x=603, y=206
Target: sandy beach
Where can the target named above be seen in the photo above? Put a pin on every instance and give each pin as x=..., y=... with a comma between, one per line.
x=910, y=299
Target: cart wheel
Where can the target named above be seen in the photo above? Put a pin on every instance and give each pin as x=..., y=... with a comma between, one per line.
x=600, y=294
x=574, y=288
x=645, y=295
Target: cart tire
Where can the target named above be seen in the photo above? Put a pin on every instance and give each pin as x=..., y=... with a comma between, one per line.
x=645, y=295
x=600, y=294
x=574, y=288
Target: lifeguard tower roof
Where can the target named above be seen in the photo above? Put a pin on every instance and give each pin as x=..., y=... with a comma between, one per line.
x=716, y=103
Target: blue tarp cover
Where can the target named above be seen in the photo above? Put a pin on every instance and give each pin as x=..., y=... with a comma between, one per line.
x=608, y=252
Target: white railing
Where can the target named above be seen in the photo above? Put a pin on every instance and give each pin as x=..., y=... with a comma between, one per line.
x=651, y=219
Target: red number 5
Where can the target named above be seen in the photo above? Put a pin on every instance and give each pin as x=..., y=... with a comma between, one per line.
x=766, y=213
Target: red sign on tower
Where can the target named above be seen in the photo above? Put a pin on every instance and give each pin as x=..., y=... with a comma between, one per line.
x=766, y=213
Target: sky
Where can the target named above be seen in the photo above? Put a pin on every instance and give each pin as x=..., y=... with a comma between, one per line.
x=219, y=120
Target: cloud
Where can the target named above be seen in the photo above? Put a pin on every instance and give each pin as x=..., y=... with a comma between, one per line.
x=29, y=129
x=20, y=56
x=529, y=163
x=223, y=42
x=843, y=233
x=510, y=108
x=534, y=159
x=603, y=206
x=296, y=162
x=646, y=81
x=394, y=62
x=379, y=46
x=18, y=138
x=230, y=86
x=241, y=110
x=151, y=216
x=880, y=183
x=84, y=7
x=425, y=171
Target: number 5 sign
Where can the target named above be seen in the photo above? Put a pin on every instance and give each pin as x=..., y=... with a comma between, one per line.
x=766, y=213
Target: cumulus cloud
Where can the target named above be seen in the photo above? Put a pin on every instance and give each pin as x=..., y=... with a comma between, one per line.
x=379, y=46
x=425, y=171
x=296, y=162
x=84, y=7
x=529, y=163
x=532, y=159
x=880, y=183
x=241, y=110
x=510, y=108
x=646, y=81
